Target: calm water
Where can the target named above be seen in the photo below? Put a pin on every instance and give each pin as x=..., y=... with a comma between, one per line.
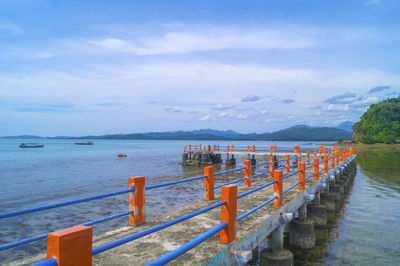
x=367, y=231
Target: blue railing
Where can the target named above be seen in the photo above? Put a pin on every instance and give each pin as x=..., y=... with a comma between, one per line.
x=170, y=256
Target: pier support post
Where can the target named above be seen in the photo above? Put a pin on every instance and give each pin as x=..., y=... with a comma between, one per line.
x=276, y=255
x=72, y=246
x=228, y=213
x=302, y=234
x=209, y=182
x=278, y=188
x=247, y=173
x=271, y=166
x=137, y=200
x=316, y=169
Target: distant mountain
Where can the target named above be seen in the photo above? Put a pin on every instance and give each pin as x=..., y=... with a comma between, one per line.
x=168, y=135
x=22, y=137
x=299, y=132
x=299, y=126
x=346, y=126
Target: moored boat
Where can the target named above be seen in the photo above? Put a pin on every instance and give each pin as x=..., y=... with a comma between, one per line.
x=31, y=145
x=84, y=143
x=121, y=155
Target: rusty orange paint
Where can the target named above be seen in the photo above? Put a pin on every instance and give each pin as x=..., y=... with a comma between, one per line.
x=271, y=166
x=137, y=200
x=326, y=164
x=228, y=213
x=72, y=246
x=296, y=149
x=254, y=147
x=316, y=169
x=218, y=147
x=227, y=147
x=308, y=157
x=214, y=147
x=287, y=163
x=209, y=147
x=337, y=158
x=302, y=174
x=278, y=186
x=190, y=147
x=333, y=160
x=195, y=147
x=184, y=148
x=275, y=148
x=247, y=173
x=271, y=149
x=209, y=182
x=233, y=147
x=248, y=148
x=200, y=147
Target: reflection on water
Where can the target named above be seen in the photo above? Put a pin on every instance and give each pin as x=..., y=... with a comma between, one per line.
x=366, y=231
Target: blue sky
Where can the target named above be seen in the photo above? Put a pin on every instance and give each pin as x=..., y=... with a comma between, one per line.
x=96, y=67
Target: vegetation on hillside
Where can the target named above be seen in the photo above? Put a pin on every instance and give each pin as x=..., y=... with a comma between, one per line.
x=380, y=123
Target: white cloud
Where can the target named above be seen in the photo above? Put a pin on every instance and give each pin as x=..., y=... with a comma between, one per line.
x=183, y=39
x=205, y=118
x=9, y=28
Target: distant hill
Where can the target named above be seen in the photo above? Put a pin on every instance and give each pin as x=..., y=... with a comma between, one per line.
x=346, y=125
x=299, y=132
x=380, y=123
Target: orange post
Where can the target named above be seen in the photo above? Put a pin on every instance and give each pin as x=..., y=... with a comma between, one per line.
x=214, y=147
x=233, y=147
x=248, y=148
x=287, y=162
x=326, y=164
x=296, y=149
x=316, y=169
x=271, y=149
x=137, y=200
x=72, y=246
x=228, y=213
x=184, y=148
x=209, y=147
x=209, y=182
x=227, y=147
x=333, y=160
x=199, y=146
x=278, y=187
x=315, y=154
x=302, y=174
x=254, y=147
x=308, y=157
x=271, y=166
x=195, y=147
x=190, y=147
x=275, y=148
x=337, y=158
x=247, y=173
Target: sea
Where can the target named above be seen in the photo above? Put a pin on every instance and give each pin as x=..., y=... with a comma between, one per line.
x=366, y=232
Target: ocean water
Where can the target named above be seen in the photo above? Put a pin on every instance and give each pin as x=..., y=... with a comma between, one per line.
x=365, y=233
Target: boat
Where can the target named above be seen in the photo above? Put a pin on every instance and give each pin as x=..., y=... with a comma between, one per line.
x=84, y=143
x=31, y=145
x=121, y=154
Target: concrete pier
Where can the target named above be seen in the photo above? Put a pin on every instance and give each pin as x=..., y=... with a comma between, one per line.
x=266, y=225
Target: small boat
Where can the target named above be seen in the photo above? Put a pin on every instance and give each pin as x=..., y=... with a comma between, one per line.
x=121, y=154
x=31, y=145
x=84, y=143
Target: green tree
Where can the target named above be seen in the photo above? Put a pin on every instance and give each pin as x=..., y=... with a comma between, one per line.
x=380, y=123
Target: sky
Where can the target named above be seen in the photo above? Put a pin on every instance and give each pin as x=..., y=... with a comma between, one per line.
x=103, y=67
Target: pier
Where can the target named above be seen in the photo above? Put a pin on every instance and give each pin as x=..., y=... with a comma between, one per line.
x=277, y=192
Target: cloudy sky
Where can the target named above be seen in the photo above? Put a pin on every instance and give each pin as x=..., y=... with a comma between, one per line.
x=97, y=67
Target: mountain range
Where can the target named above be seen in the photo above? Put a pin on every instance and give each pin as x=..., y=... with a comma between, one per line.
x=298, y=132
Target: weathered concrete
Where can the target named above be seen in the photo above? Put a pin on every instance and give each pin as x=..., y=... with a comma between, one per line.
x=282, y=257
x=302, y=234
x=251, y=231
x=317, y=213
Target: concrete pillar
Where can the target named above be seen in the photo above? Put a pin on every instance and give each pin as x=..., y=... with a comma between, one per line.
x=302, y=234
x=328, y=199
x=318, y=214
x=276, y=254
x=253, y=160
